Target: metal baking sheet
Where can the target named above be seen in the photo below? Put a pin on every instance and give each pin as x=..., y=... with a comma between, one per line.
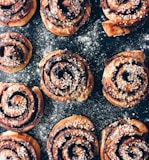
x=91, y=43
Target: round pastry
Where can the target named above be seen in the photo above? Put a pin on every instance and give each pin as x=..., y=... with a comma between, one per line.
x=124, y=16
x=16, y=12
x=125, y=140
x=18, y=146
x=21, y=108
x=125, y=79
x=72, y=138
x=65, y=76
x=64, y=18
x=15, y=52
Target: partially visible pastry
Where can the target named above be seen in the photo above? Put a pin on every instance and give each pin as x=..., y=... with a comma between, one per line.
x=18, y=146
x=123, y=16
x=72, y=138
x=21, y=108
x=124, y=139
x=125, y=79
x=64, y=17
x=65, y=76
x=16, y=12
x=15, y=52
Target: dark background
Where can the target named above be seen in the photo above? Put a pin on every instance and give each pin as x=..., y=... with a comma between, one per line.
x=91, y=43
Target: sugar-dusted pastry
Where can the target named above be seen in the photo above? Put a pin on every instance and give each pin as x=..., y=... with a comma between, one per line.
x=64, y=17
x=72, y=138
x=15, y=51
x=125, y=79
x=16, y=12
x=65, y=76
x=125, y=140
x=18, y=146
x=124, y=16
x=21, y=108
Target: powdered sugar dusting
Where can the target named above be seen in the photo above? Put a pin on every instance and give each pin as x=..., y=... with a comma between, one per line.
x=92, y=44
x=74, y=137
x=123, y=139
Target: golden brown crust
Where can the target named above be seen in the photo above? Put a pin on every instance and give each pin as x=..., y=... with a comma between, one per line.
x=136, y=54
x=17, y=12
x=65, y=76
x=125, y=79
x=23, y=146
x=66, y=17
x=124, y=139
x=72, y=137
x=21, y=107
x=112, y=29
x=16, y=52
x=124, y=17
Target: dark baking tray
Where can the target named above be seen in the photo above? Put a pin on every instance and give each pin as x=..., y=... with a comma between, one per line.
x=91, y=43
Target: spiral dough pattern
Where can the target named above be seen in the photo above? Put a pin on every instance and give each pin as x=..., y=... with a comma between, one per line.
x=18, y=146
x=124, y=139
x=64, y=17
x=21, y=108
x=15, y=52
x=125, y=79
x=65, y=76
x=16, y=12
x=72, y=138
x=124, y=15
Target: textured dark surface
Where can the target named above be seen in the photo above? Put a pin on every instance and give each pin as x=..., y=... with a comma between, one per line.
x=91, y=43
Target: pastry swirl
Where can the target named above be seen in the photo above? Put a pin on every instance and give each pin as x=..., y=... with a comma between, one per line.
x=124, y=16
x=124, y=139
x=125, y=79
x=64, y=17
x=18, y=146
x=21, y=108
x=15, y=52
x=16, y=12
x=65, y=76
x=72, y=138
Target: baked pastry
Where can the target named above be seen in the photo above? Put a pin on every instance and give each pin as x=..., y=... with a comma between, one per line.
x=72, y=138
x=65, y=76
x=17, y=146
x=16, y=12
x=125, y=79
x=21, y=108
x=125, y=140
x=64, y=18
x=15, y=52
x=124, y=16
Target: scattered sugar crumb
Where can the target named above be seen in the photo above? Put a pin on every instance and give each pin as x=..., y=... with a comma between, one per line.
x=92, y=44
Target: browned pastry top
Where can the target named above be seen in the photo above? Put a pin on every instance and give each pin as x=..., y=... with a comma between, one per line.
x=17, y=146
x=72, y=138
x=21, y=108
x=124, y=139
x=65, y=76
x=16, y=12
x=15, y=51
x=125, y=79
x=124, y=16
x=64, y=17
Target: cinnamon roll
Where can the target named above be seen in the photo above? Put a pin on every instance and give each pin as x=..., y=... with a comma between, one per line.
x=64, y=17
x=125, y=79
x=16, y=12
x=17, y=146
x=72, y=138
x=65, y=76
x=124, y=16
x=21, y=108
x=124, y=139
x=15, y=52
